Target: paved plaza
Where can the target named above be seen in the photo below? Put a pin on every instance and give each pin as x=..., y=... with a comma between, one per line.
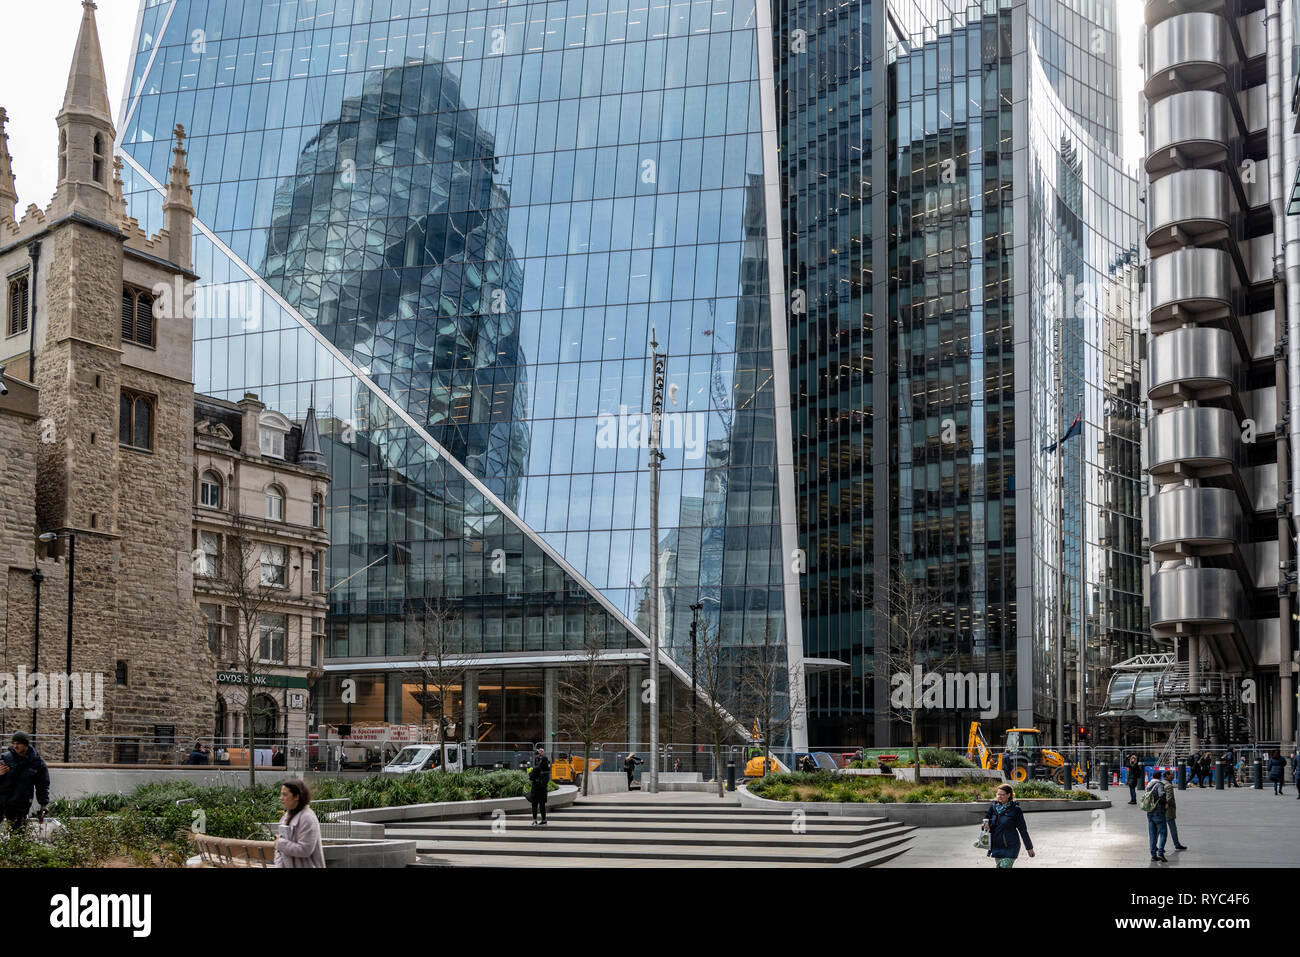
x=1235, y=827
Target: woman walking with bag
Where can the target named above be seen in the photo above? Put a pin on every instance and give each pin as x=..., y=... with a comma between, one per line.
x=1005, y=822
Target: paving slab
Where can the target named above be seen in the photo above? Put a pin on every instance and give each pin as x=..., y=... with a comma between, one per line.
x=1235, y=827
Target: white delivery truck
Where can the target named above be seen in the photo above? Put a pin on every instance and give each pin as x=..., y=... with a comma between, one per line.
x=427, y=757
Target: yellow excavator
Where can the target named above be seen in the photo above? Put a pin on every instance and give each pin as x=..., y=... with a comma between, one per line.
x=1023, y=756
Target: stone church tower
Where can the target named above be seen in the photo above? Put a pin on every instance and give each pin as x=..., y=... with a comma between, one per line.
x=110, y=346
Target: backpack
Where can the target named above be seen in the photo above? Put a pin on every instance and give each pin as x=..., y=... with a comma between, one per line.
x=1150, y=802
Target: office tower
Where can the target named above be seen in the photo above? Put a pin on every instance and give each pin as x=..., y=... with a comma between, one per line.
x=963, y=235
x=1222, y=303
x=460, y=224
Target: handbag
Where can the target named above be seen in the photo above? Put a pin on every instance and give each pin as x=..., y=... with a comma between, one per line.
x=982, y=842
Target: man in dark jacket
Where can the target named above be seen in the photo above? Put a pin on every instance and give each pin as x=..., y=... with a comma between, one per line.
x=1277, y=772
x=1134, y=770
x=22, y=772
x=1005, y=822
x=540, y=776
x=629, y=767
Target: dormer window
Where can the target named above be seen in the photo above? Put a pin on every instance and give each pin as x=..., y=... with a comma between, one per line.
x=272, y=427
x=63, y=155
x=97, y=161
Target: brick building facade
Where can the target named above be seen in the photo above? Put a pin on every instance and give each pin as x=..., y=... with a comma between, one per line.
x=105, y=439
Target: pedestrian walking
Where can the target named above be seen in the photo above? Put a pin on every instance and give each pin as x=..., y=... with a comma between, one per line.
x=1155, y=801
x=540, y=776
x=1295, y=772
x=1230, y=768
x=22, y=774
x=1171, y=811
x=1133, y=767
x=629, y=767
x=1207, y=770
x=298, y=843
x=1277, y=772
x=1005, y=822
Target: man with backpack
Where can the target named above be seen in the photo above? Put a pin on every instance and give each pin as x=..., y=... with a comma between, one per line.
x=1155, y=802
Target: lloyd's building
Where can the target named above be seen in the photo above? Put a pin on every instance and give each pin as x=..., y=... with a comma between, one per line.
x=458, y=224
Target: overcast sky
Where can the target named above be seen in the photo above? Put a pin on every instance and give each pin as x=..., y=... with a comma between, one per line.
x=40, y=35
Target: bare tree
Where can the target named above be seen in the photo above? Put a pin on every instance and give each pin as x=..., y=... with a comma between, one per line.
x=251, y=575
x=442, y=664
x=914, y=609
x=716, y=685
x=591, y=696
x=766, y=692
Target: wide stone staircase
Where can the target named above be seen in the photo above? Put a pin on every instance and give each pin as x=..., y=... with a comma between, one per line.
x=663, y=830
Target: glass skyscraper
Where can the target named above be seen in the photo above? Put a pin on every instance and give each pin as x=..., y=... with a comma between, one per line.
x=456, y=225
x=962, y=237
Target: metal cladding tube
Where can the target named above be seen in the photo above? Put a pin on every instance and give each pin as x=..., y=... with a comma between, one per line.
x=1291, y=253
x=1286, y=277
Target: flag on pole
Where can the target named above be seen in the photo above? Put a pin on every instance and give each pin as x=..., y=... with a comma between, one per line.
x=1075, y=428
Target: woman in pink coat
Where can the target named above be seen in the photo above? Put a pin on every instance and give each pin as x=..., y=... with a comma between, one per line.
x=298, y=844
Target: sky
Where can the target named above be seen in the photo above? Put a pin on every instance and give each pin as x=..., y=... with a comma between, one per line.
x=41, y=33
x=39, y=38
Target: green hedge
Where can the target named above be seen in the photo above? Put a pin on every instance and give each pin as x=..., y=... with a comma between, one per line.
x=830, y=786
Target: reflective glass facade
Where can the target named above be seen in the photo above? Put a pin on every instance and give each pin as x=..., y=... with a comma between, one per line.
x=458, y=224
x=935, y=205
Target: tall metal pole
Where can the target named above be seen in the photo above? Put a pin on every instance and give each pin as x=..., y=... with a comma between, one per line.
x=659, y=364
x=67, y=710
x=1060, y=532
x=695, y=627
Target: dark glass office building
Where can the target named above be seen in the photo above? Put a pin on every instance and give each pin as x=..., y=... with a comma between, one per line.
x=960, y=235
x=860, y=233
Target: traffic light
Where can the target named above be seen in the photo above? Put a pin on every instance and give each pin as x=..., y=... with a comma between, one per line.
x=1069, y=732
x=1083, y=733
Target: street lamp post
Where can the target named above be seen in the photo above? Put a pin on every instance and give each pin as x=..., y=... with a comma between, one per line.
x=658, y=368
x=695, y=626
x=72, y=567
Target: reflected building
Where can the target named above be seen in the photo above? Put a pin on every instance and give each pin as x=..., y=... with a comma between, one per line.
x=964, y=396
x=456, y=225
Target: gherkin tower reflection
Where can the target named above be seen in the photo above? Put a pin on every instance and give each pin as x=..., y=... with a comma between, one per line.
x=412, y=277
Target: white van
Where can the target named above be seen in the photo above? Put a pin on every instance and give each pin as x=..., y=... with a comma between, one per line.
x=426, y=757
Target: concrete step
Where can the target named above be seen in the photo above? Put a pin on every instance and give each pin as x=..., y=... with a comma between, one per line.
x=506, y=860
x=469, y=853
x=632, y=833
x=735, y=817
x=618, y=838
x=478, y=827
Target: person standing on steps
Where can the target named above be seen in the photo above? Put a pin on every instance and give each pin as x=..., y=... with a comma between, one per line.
x=540, y=776
x=1171, y=811
x=1005, y=822
x=629, y=766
